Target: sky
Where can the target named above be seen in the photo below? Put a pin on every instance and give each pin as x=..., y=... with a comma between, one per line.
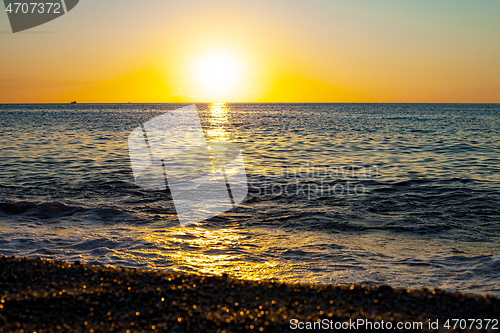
x=119, y=51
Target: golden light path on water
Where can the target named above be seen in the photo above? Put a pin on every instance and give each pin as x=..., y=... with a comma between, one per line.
x=215, y=254
x=219, y=120
x=208, y=251
x=238, y=253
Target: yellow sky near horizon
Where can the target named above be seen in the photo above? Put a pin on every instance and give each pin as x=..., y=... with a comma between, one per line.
x=254, y=51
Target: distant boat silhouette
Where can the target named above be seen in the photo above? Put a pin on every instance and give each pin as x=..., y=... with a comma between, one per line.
x=74, y=102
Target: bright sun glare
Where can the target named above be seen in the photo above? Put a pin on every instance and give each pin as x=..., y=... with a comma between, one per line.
x=217, y=74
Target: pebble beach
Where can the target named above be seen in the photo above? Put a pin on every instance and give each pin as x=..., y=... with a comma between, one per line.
x=39, y=295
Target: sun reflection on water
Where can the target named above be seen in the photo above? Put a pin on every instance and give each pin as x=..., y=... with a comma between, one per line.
x=221, y=251
x=219, y=120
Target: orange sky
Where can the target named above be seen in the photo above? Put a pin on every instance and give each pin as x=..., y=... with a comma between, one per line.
x=257, y=51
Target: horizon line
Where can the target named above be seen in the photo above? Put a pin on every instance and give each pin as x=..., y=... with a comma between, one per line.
x=189, y=103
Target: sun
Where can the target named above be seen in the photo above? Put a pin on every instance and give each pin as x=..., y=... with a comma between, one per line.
x=218, y=74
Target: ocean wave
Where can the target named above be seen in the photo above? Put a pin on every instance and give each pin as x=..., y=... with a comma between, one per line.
x=56, y=210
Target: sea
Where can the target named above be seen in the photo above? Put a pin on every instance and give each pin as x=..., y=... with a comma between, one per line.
x=405, y=195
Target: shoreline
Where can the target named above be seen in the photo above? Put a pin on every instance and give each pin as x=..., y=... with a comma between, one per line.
x=39, y=295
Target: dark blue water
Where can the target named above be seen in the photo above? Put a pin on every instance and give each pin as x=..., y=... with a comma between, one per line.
x=399, y=194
